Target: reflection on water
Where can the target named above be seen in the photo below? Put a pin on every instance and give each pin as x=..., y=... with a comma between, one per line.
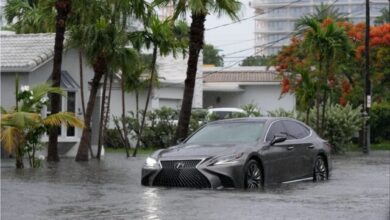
x=152, y=200
x=111, y=189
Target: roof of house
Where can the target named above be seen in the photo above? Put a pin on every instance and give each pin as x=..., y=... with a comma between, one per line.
x=239, y=74
x=25, y=52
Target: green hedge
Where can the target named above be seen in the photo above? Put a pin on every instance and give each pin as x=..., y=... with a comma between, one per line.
x=380, y=122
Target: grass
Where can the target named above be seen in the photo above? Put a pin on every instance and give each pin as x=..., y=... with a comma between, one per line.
x=141, y=151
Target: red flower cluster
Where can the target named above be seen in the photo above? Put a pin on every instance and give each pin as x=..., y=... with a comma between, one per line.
x=345, y=90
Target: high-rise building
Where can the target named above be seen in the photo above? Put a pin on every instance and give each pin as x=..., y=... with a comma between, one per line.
x=2, y=16
x=276, y=19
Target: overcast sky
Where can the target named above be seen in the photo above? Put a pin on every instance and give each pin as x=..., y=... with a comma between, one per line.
x=232, y=38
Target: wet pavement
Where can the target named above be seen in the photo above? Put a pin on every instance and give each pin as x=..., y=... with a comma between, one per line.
x=110, y=189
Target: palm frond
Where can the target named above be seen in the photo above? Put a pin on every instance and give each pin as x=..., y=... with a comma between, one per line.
x=19, y=119
x=60, y=118
x=11, y=137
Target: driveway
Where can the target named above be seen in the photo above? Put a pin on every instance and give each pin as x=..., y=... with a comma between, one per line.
x=110, y=189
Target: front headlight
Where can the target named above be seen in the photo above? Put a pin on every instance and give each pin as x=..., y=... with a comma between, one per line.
x=151, y=163
x=231, y=159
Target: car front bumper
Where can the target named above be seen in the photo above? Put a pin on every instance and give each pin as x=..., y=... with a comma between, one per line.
x=202, y=175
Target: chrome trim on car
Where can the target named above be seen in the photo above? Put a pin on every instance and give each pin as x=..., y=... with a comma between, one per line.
x=299, y=180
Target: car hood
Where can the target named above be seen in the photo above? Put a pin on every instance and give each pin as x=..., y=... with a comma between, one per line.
x=203, y=150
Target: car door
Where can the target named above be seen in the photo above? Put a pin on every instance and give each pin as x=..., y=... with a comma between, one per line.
x=301, y=148
x=278, y=157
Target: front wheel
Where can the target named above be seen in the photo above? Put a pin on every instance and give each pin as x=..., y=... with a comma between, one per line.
x=320, y=171
x=253, y=175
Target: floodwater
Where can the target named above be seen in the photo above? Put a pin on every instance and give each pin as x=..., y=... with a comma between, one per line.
x=110, y=189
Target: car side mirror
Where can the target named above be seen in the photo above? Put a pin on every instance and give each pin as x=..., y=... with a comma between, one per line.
x=180, y=140
x=278, y=138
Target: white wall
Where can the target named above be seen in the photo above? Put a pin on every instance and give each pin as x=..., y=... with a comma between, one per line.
x=173, y=70
x=264, y=96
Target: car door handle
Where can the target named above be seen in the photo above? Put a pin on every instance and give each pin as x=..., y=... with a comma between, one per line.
x=310, y=147
x=290, y=147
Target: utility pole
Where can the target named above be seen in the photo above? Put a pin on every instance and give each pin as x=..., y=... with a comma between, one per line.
x=367, y=98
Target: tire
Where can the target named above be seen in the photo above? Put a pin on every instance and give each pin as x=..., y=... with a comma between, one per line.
x=320, y=170
x=253, y=175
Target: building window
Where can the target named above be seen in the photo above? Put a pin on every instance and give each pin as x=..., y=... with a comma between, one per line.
x=67, y=104
x=71, y=107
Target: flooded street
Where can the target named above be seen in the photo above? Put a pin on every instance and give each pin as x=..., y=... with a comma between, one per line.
x=111, y=189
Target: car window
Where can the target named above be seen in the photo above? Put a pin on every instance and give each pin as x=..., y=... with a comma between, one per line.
x=276, y=128
x=235, y=132
x=295, y=130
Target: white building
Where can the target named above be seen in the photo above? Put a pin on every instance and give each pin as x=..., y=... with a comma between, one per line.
x=31, y=57
x=276, y=18
x=2, y=15
x=239, y=86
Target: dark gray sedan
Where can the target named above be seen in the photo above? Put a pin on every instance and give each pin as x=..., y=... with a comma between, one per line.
x=241, y=153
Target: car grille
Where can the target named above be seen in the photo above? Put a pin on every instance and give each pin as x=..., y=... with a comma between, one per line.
x=185, y=176
x=170, y=164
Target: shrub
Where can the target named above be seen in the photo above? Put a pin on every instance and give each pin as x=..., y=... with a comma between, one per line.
x=160, y=129
x=380, y=122
x=280, y=112
x=251, y=110
x=112, y=139
x=341, y=124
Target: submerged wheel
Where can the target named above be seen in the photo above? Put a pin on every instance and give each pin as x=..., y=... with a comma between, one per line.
x=253, y=175
x=320, y=171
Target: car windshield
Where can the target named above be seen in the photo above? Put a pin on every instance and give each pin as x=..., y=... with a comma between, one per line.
x=235, y=132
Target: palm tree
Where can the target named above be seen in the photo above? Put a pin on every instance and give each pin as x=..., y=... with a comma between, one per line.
x=161, y=37
x=24, y=125
x=383, y=18
x=30, y=16
x=321, y=13
x=326, y=44
x=104, y=44
x=63, y=9
x=305, y=92
x=33, y=16
x=199, y=10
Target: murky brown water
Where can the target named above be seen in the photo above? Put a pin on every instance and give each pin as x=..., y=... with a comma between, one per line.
x=111, y=189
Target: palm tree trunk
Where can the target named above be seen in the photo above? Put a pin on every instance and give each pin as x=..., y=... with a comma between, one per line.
x=106, y=117
x=124, y=126
x=325, y=96
x=137, y=104
x=100, y=68
x=63, y=8
x=196, y=44
x=19, y=158
x=82, y=92
x=147, y=100
x=103, y=103
x=81, y=83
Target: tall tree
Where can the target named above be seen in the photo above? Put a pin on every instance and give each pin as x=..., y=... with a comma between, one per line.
x=320, y=14
x=63, y=8
x=211, y=55
x=199, y=10
x=38, y=16
x=30, y=16
x=160, y=36
x=257, y=61
x=104, y=42
x=383, y=18
x=325, y=41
